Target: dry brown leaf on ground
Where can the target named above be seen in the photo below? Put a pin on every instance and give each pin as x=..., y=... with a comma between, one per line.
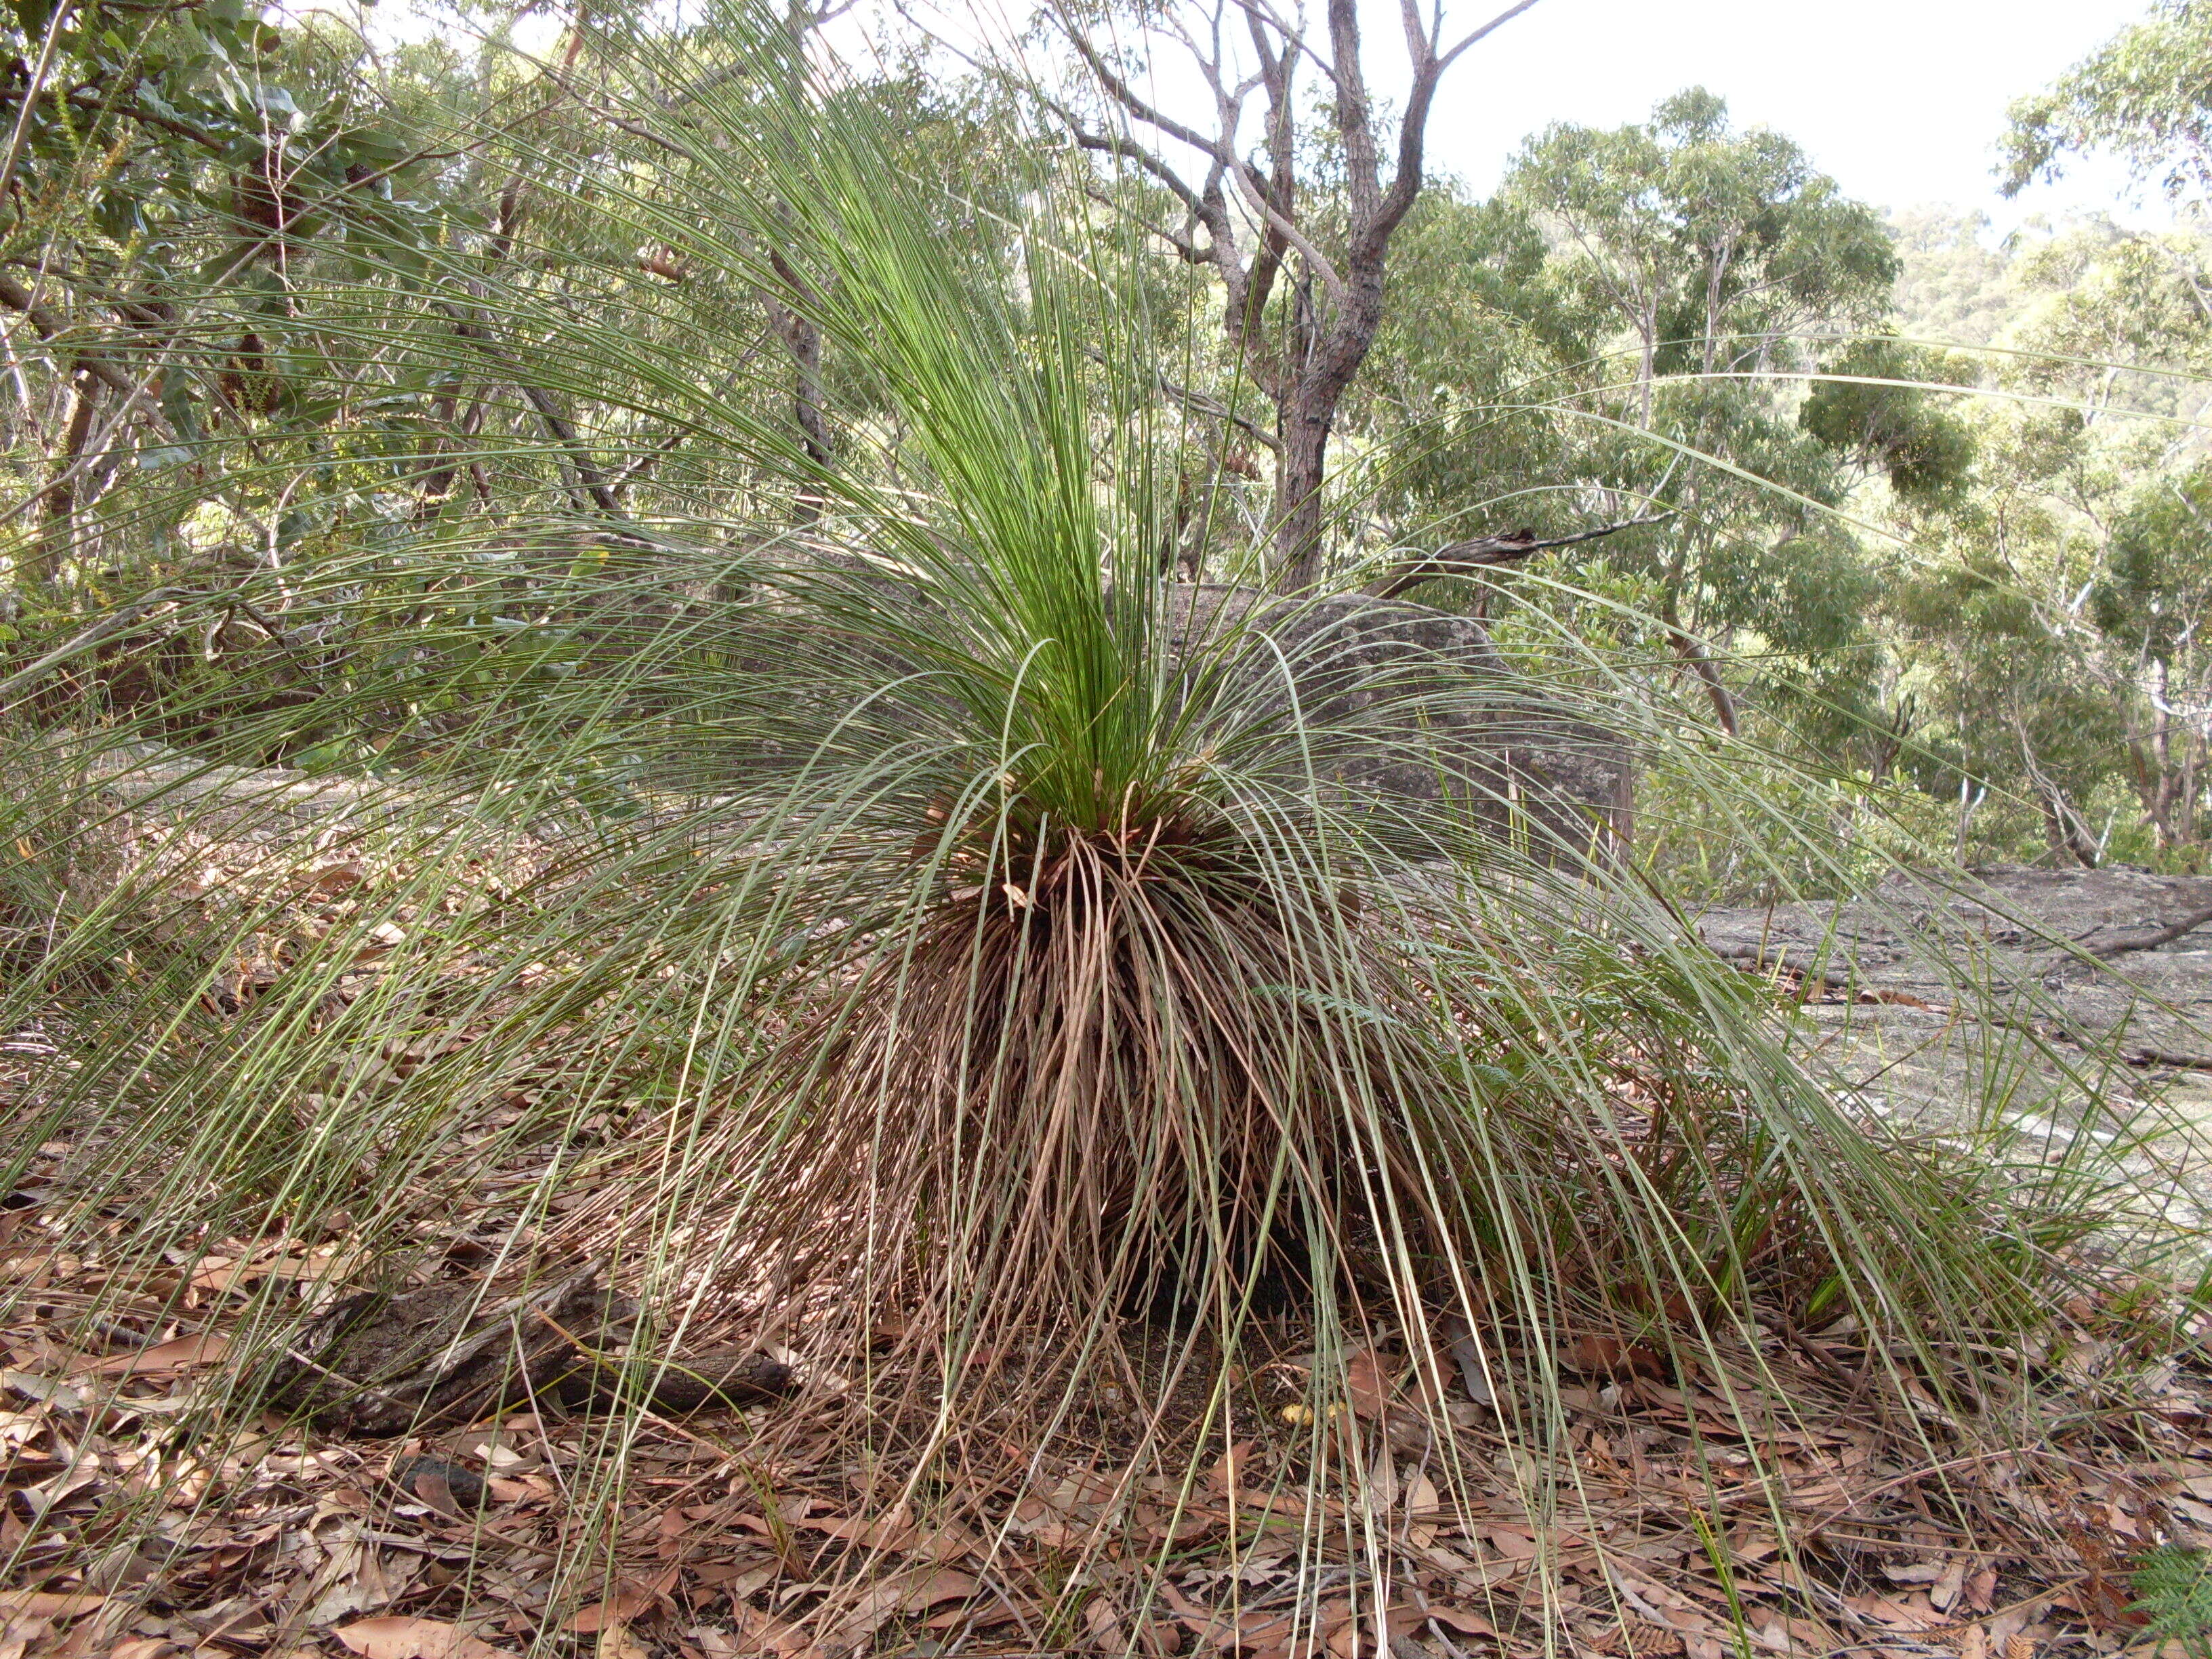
x=1897, y=1615
x=764, y=1633
x=626, y=1605
x=1608, y=1356
x=1105, y=1624
x=1424, y=1509
x=1050, y=1526
x=1465, y=1623
x=355, y=1577
x=737, y=1579
x=1227, y=1475
x=203, y=1348
x=1512, y=1543
x=913, y=1592
x=1348, y=1637
x=1948, y=1588
x=399, y=1637
x=895, y=1531
x=1366, y=1384
x=1254, y=1630
x=41, y=1604
x=926, y=1590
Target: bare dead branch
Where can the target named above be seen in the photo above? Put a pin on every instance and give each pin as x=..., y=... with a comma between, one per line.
x=1138, y=106
x=1495, y=23
x=1487, y=552
x=2152, y=938
x=1193, y=398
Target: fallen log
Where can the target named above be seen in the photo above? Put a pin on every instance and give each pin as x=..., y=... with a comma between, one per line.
x=379, y=1364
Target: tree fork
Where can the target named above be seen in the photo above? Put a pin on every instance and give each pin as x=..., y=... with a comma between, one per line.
x=1248, y=216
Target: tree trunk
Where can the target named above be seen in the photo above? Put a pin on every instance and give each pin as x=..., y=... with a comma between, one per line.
x=2152, y=787
x=1692, y=655
x=802, y=338
x=2068, y=834
x=58, y=534
x=1300, y=466
x=2069, y=837
x=1248, y=207
x=1306, y=415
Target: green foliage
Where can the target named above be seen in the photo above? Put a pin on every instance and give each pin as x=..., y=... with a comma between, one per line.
x=2174, y=1595
x=2158, y=569
x=2142, y=96
x=1871, y=403
x=1684, y=262
x=1952, y=286
x=1704, y=242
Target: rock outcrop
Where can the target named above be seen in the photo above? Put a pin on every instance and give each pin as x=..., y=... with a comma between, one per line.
x=1417, y=703
x=2075, y=954
x=2071, y=1009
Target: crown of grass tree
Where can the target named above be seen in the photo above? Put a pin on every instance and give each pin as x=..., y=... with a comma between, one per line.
x=1002, y=978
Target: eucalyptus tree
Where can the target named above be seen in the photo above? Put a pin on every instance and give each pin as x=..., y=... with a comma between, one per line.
x=2146, y=96
x=2153, y=606
x=2056, y=628
x=1699, y=275
x=1296, y=230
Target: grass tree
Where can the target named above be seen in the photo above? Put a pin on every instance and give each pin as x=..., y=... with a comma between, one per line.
x=912, y=940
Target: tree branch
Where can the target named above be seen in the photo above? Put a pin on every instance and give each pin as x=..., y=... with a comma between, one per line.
x=1693, y=655
x=1428, y=69
x=1497, y=22
x=2153, y=939
x=16, y=297
x=1127, y=97
x=564, y=432
x=1250, y=182
x=1487, y=552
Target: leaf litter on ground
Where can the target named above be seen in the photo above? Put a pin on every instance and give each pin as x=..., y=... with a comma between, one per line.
x=1664, y=1533
x=1672, y=1523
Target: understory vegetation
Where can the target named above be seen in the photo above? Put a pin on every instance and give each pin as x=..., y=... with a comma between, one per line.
x=808, y=859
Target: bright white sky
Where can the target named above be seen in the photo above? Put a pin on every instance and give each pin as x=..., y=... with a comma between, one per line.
x=1901, y=101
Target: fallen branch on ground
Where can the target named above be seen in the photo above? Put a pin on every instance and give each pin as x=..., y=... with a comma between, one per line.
x=2152, y=939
